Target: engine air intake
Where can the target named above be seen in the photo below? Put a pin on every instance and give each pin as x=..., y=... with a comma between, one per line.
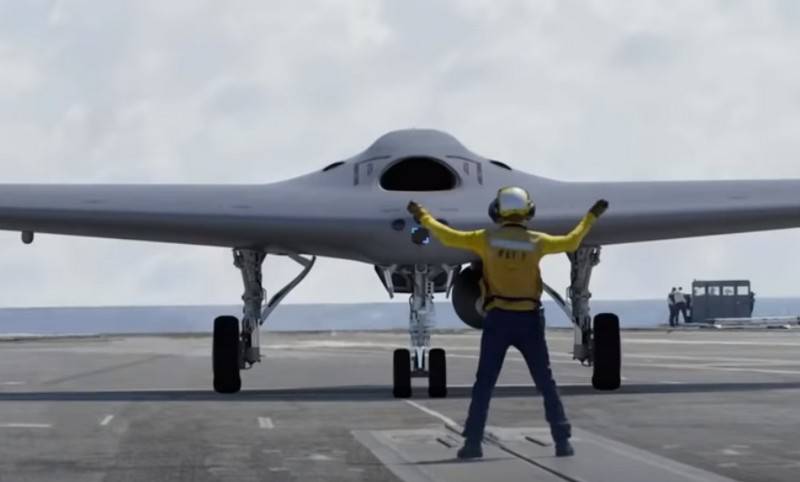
x=418, y=174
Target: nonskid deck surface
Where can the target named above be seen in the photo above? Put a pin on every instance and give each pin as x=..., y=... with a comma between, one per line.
x=694, y=405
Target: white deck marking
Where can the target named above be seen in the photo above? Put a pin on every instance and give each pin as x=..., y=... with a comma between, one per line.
x=713, y=368
x=558, y=358
x=499, y=385
x=265, y=423
x=676, y=366
x=651, y=357
x=25, y=425
x=319, y=458
x=433, y=413
x=710, y=367
x=12, y=383
x=515, y=358
x=658, y=341
x=106, y=420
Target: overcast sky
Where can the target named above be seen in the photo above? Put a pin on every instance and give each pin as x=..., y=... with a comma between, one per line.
x=254, y=91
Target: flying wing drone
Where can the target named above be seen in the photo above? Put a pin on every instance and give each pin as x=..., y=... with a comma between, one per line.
x=355, y=209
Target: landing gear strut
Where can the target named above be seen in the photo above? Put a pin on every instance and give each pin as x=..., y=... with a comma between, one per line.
x=582, y=263
x=595, y=344
x=249, y=263
x=236, y=348
x=421, y=360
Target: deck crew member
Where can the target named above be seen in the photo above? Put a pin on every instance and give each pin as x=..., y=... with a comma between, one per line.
x=673, y=309
x=512, y=289
x=681, y=306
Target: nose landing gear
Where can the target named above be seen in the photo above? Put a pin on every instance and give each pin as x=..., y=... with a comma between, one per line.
x=421, y=361
x=436, y=372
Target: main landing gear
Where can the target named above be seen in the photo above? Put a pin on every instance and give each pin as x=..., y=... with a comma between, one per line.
x=421, y=361
x=236, y=345
x=238, y=348
x=595, y=344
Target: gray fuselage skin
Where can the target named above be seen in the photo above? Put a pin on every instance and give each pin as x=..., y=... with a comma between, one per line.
x=344, y=212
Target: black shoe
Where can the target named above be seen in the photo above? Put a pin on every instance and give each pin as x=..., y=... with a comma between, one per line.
x=470, y=451
x=564, y=449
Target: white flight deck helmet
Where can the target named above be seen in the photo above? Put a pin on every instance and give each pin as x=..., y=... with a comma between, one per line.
x=512, y=204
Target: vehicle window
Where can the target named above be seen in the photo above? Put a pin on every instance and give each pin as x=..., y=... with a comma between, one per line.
x=713, y=291
x=743, y=290
x=699, y=290
x=728, y=291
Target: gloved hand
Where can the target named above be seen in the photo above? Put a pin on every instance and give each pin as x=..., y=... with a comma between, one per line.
x=415, y=209
x=599, y=208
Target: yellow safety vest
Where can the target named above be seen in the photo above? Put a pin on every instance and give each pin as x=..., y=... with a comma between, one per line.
x=510, y=256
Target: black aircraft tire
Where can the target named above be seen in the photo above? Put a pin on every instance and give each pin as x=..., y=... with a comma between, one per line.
x=437, y=373
x=607, y=352
x=225, y=355
x=402, y=373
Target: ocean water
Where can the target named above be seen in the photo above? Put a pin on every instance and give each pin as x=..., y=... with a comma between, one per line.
x=310, y=317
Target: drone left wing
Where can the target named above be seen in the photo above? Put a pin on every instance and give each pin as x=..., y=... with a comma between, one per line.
x=230, y=215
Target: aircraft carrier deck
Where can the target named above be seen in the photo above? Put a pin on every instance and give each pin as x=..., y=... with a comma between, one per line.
x=708, y=405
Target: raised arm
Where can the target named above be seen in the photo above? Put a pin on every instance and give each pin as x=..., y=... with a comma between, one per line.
x=452, y=238
x=570, y=242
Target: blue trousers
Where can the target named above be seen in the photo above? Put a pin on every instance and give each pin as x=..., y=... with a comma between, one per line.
x=523, y=330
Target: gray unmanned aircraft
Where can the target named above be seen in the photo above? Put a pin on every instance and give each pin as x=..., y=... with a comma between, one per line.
x=355, y=209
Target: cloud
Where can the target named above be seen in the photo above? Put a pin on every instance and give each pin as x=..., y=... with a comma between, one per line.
x=17, y=74
x=201, y=91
